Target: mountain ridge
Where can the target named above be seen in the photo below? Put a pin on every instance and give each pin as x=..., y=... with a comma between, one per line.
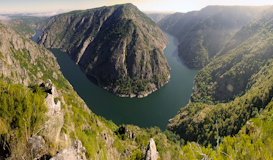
x=234, y=87
x=202, y=34
x=132, y=41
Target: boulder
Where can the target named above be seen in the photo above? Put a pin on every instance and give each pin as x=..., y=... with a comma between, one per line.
x=36, y=147
x=151, y=153
x=74, y=152
x=249, y=127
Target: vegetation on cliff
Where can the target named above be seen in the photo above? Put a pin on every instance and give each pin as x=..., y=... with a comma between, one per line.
x=39, y=23
x=21, y=28
x=232, y=88
x=118, y=45
x=254, y=141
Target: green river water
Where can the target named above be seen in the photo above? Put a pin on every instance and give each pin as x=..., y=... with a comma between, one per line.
x=154, y=110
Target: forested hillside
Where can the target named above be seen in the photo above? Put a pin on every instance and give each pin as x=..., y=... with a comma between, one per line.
x=233, y=87
x=21, y=28
x=39, y=23
x=254, y=141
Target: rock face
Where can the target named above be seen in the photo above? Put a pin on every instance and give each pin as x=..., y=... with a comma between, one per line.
x=118, y=45
x=151, y=153
x=56, y=117
x=202, y=34
x=22, y=60
x=21, y=28
x=74, y=152
x=108, y=139
x=124, y=130
x=36, y=147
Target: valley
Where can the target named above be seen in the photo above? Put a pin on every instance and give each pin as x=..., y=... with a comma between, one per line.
x=162, y=104
x=110, y=83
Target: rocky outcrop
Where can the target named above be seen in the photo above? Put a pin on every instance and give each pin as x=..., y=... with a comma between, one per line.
x=118, y=45
x=124, y=130
x=56, y=117
x=151, y=153
x=36, y=147
x=249, y=127
x=74, y=152
x=107, y=138
x=53, y=105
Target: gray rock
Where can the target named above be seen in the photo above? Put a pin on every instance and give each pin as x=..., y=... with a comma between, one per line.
x=74, y=152
x=151, y=153
x=36, y=147
x=108, y=139
x=51, y=105
x=56, y=117
x=249, y=127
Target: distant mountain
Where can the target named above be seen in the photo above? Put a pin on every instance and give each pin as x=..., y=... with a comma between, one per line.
x=157, y=16
x=118, y=45
x=204, y=33
x=21, y=28
x=39, y=23
x=167, y=22
x=235, y=86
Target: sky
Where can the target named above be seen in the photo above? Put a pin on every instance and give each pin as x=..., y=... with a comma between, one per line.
x=58, y=6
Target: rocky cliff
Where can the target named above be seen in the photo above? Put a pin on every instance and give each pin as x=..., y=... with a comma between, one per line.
x=22, y=60
x=118, y=45
x=21, y=28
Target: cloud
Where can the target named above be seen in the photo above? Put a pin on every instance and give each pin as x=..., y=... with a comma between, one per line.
x=4, y=18
x=48, y=14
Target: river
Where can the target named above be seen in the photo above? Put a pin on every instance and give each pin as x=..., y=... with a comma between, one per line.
x=154, y=110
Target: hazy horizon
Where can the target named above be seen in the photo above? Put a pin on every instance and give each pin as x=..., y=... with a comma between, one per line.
x=52, y=7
